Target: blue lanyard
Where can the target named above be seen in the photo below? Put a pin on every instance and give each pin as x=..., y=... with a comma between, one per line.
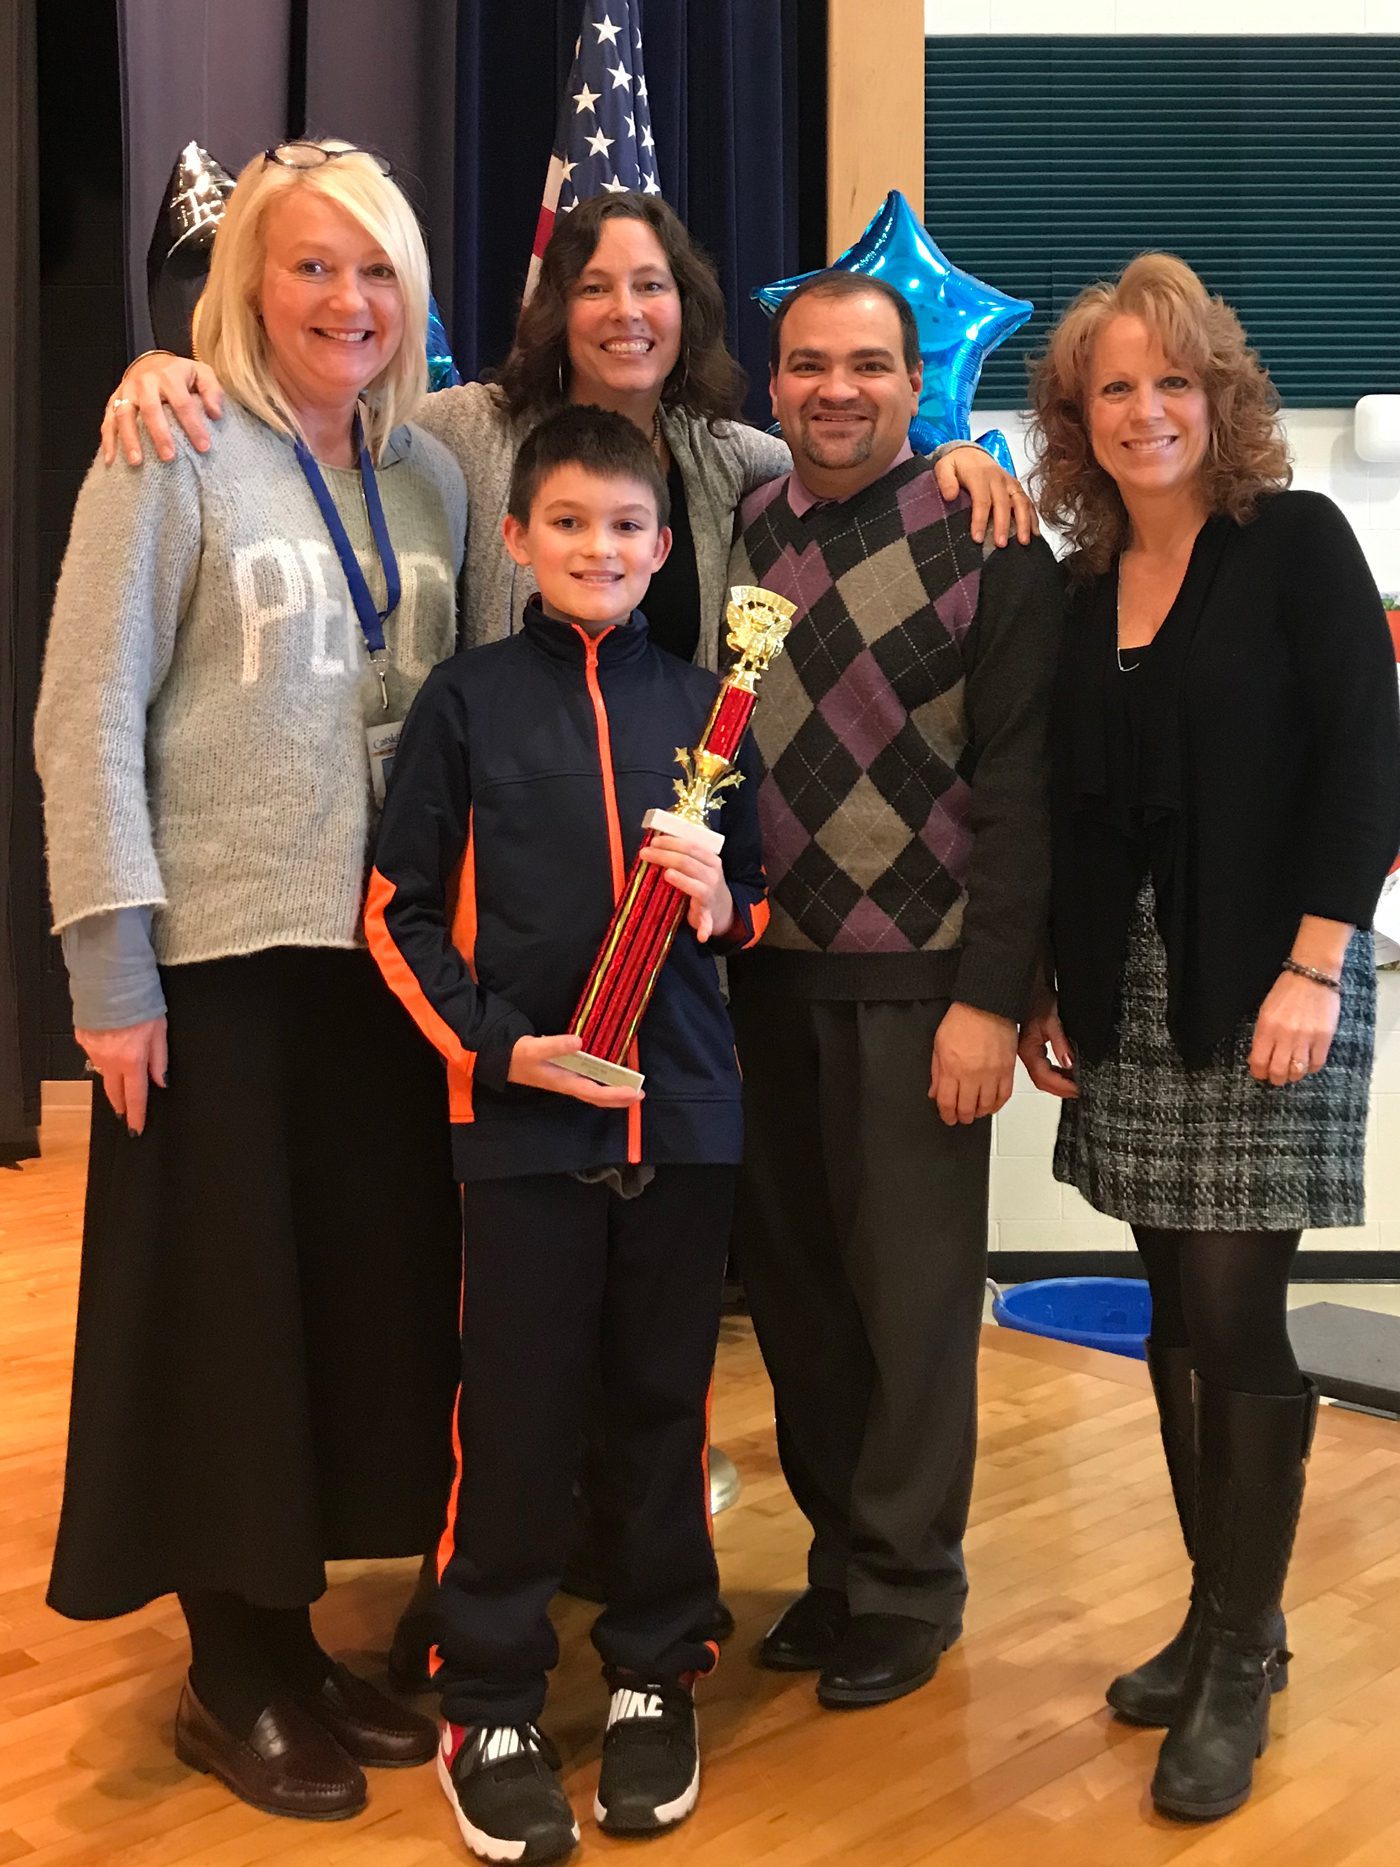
x=372, y=620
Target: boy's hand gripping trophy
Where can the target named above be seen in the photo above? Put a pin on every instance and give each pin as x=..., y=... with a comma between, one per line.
x=649, y=911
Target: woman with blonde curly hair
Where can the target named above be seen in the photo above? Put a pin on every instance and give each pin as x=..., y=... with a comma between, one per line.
x=1226, y=804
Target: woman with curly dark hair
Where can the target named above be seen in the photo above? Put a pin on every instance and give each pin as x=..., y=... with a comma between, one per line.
x=1226, y=804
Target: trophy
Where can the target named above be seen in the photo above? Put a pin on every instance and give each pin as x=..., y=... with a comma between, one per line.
x=650, y=910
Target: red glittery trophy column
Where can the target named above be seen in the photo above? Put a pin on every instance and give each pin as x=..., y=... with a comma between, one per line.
x=650, y=910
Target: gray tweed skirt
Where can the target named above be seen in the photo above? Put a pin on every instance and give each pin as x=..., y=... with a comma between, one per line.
x=1157, y=1144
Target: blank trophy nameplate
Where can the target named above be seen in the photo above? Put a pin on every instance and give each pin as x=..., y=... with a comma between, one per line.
x=649, y=912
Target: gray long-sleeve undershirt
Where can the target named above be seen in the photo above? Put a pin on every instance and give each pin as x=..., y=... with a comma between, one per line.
x=112, y=971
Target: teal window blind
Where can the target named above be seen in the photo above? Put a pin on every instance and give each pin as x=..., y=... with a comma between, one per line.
x=1272, y=164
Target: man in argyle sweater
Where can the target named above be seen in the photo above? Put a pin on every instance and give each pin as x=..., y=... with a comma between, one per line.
x=904, y=820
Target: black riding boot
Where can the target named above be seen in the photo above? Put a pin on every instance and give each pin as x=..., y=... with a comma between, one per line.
x=1150, y=1693
x=1251, y=1451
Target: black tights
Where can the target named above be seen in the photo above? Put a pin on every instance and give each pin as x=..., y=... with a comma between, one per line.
x=1224, y=1295
x=243, y=1656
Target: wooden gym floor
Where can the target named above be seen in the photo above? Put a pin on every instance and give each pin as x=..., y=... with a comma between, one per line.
x=1008, y=1757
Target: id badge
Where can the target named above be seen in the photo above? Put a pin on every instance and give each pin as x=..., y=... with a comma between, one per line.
x=382, y=742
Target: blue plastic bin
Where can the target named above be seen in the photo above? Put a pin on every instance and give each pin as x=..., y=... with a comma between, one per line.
x=1114, y=1313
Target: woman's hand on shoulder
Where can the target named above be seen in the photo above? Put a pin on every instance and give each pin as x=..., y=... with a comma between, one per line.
x=995, y=493
x=128, y=1060
x=152, y=384
x=1046, y=1051
x=1294, y=1030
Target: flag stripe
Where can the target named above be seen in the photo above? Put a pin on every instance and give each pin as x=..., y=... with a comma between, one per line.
x=604, y=142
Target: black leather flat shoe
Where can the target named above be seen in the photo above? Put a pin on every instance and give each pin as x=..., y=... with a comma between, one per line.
x=805, y=1634
x=881, y=1657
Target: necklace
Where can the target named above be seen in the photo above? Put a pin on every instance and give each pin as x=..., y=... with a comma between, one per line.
x=656, y=441
x=1130, y=667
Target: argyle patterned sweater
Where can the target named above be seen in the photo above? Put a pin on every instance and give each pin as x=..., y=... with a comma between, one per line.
x=904, y=805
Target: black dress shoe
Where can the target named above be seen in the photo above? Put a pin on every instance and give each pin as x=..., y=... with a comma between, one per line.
x=367, y=1726
x=287, y=1765
x=806, y=1633
x=720, y=1623
x=881, y=1657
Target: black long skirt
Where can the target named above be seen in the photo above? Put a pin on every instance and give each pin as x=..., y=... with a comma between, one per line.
x=266, y=1350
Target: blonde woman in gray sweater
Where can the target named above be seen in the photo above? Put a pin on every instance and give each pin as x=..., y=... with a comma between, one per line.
x=266, y=1328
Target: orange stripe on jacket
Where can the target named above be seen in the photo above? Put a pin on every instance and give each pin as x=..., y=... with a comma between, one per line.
x=403, y=982
x=460, y=1077
x=600, y=718
x=758, y=916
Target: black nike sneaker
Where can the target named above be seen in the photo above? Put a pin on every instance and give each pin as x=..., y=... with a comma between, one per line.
x=650, y=1778
x=503, y=1783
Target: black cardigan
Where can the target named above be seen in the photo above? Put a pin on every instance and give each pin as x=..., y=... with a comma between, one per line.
x=1269, y=774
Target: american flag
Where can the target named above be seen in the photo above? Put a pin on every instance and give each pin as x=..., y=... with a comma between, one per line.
x=604, y=141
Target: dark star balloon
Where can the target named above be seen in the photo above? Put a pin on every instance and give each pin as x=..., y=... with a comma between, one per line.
x=177, y=261
x=961, y=320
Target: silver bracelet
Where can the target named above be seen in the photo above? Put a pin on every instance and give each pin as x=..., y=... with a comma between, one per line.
x=1311, y=972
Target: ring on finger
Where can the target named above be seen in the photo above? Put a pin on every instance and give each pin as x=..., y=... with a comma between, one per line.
x=120, y=401
x=1297, y=1065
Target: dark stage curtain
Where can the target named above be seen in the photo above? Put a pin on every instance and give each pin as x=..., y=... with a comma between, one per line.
x=239, y=75
x=738, y=101
x=20, y=866
x=224, y=73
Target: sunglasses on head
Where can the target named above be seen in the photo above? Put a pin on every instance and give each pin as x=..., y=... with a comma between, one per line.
x=305, y=155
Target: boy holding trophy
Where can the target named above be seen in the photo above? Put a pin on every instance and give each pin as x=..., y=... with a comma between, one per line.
x=596, y=1213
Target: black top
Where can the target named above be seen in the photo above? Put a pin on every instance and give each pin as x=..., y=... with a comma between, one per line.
x=1134, y=674
x=673, y=600
x=1265, y=780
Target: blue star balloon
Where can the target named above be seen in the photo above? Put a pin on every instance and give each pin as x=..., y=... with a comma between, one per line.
x=961, y=320
x=442, y=371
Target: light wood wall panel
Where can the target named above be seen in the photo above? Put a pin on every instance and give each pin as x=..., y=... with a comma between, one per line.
x=875, y=111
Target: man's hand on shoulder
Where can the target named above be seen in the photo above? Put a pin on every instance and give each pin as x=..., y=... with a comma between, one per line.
x=974, y=1061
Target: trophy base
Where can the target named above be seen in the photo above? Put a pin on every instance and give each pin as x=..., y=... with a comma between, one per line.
x=599, y=1070
x=664, y=823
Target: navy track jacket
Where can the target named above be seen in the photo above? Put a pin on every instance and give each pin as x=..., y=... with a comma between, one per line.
x=515, y=809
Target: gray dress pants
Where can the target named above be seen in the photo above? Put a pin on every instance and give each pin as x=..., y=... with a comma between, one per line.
x=861, y=1237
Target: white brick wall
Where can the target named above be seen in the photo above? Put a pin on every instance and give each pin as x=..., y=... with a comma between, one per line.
x=1030, y=1212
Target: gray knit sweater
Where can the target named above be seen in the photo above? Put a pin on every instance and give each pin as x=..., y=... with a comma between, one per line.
x=200, y=730
x=718, y=469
